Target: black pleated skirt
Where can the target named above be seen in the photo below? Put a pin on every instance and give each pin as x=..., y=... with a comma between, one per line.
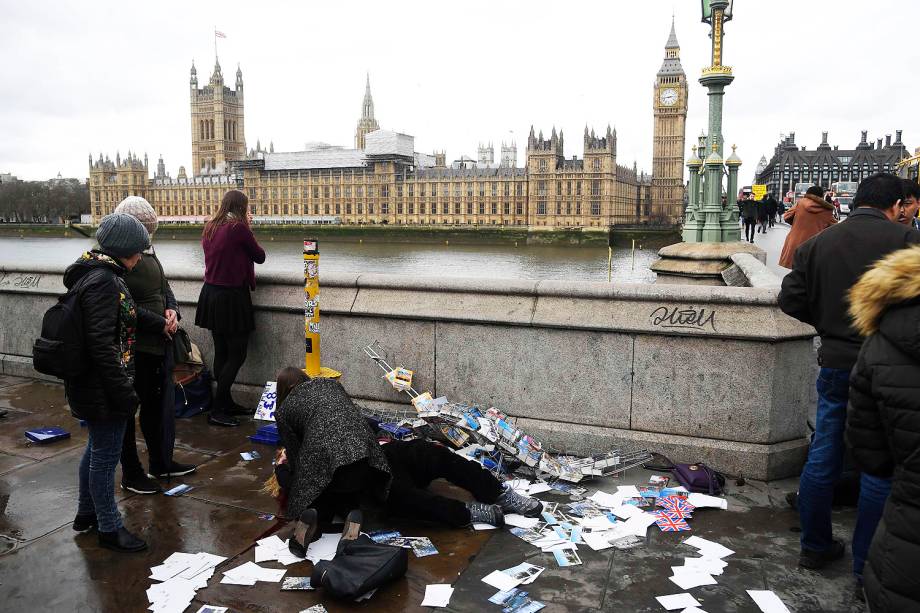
x=226, y=310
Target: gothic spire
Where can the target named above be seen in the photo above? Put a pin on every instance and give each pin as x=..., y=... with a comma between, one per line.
x=367, y=107
x=672, y=38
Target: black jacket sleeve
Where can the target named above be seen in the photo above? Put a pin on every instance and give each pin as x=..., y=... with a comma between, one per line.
x=148, y=321
x=865, y=433
x=171, y=303
x=99, y=303
x=793, y=295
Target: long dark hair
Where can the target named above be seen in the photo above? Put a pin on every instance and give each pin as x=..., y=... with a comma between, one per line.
x=288, y=378
x=234, y=203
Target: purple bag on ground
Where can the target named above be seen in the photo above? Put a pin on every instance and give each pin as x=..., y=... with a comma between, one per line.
x=699, y=478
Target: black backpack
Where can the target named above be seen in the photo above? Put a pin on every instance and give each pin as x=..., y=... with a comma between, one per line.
x=59, y=350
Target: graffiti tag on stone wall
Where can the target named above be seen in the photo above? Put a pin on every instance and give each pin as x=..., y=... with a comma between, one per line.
x=19, y=280
x=686, y=318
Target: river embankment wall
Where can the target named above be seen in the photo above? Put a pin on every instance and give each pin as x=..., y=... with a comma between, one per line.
x=650, y=237
x=712, y=374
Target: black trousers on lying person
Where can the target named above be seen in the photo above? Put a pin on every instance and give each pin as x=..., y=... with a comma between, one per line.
x=414, y=465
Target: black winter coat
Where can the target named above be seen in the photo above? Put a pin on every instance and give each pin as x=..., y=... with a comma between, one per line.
x=826, y=266
x=883, y=423
x=105, y=391
x=322, y=430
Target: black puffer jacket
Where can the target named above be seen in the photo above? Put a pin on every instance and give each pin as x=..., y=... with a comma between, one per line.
x=883, y=423
x=105, y=392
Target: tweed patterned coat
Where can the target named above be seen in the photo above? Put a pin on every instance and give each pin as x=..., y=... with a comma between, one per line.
x=321, y=430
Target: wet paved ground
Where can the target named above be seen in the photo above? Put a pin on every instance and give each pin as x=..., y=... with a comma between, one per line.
x=45, y=566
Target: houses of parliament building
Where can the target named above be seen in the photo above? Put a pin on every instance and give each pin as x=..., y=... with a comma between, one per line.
x=383, y=180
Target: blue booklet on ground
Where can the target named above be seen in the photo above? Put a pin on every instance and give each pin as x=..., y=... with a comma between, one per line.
x=46, y=435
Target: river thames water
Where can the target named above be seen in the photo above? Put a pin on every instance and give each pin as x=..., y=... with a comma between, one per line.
x=475, y=261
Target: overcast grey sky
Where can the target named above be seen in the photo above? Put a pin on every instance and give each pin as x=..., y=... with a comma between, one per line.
x=102, y=76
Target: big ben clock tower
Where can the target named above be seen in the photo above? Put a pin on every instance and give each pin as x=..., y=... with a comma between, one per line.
x=670, y=104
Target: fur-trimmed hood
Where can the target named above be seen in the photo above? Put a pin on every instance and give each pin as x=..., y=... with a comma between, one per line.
x=893, y=281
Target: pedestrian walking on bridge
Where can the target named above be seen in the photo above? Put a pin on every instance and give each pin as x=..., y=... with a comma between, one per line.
x=815, y=292
x=810, y=215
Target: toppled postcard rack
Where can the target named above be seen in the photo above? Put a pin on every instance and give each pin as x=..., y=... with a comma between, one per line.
x=490, y=435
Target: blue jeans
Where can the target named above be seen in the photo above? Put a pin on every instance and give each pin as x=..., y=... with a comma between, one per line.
x=97, y=473
x=822, y=471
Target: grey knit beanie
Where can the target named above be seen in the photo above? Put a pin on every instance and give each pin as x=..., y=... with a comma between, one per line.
x=140, y=209
x=122, y=235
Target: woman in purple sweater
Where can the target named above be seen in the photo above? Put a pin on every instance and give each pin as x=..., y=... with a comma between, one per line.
x=225, y=306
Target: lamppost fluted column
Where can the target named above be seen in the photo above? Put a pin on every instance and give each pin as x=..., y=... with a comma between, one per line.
x=715, y=79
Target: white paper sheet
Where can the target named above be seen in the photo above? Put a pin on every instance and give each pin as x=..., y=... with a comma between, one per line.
x=687, y=578
x=709, y=549
x=626, y=511
x=712, y=566
x=324, y=548
x=693, y=610
x=519, y=521
x=768, y=601
x=628, y=491
x=598, y=522
x=501, y=581
x=610, y=501
x=482, y=526
x=677, y=601
x=638, y=524
x=704, y=500
x=598, y=541
x=437, y=595
x=538, y=487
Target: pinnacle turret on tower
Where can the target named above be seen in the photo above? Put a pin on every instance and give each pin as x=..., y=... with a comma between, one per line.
x=367, y=123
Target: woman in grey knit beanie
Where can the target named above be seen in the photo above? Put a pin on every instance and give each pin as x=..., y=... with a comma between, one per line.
x=153, y=367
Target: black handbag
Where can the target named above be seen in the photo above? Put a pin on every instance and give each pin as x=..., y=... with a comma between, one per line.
x=360, y=566
x=181, y=347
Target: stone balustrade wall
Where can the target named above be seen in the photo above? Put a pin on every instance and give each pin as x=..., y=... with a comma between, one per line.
x=713, y=374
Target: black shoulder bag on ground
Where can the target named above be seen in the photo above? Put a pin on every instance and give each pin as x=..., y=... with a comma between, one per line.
x=359, y=567
x=59, y=350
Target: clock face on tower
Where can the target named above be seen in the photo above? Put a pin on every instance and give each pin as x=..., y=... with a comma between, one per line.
x=668, y=97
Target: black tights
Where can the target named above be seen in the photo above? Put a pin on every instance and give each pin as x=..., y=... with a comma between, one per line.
x=229, y=355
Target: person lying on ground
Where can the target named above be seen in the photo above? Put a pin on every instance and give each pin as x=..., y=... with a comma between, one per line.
x=332, y=464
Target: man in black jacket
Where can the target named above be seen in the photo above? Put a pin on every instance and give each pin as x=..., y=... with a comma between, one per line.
x=815, y=292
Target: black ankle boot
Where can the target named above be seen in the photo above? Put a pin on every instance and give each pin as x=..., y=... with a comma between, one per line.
x=303, y=533
x=84, y=523
x=122, y=541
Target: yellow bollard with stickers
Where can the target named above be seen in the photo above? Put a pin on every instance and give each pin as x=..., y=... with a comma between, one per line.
x=312, y=365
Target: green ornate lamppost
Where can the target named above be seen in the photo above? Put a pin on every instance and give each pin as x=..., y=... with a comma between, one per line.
x=708, y=220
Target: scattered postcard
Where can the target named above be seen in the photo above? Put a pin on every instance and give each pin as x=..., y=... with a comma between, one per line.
x=382, y=536
x=422, y=546
x=423, y=403
x=291, y=584
x=209, y=609
x=538, y=487
x=519, y=521
x=658, y=481
x=179, y=490
x=250, y=455
x=500, y=580
x=524, y=572
x=566, y=557
x=704, y=500
x=503, y=597
x=687, y=578
x=437, y=595
x=768, y=601
x=317, y=608
x=708, y=549
x=677, y=601
x=484, y=526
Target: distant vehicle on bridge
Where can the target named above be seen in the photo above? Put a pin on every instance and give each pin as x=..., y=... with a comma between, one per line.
x=844, y=191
